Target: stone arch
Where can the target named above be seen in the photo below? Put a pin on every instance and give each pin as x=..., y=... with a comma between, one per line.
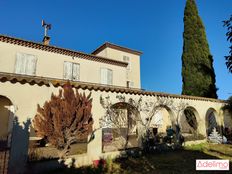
x=122, y=128
x=227, y=119
x=162, y=118
x=131, y=113
x=6, y=120
x=211, y=120
x=189, y=121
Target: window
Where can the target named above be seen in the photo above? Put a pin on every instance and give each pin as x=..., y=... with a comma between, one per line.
x=127, y=59
x=25, y=64
x=71, y=71
x=106, y=76
x=130, y=84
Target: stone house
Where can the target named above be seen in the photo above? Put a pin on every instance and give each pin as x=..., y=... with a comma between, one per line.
x=30, y=72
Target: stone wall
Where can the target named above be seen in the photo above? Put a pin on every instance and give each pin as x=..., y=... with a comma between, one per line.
x=26, y=97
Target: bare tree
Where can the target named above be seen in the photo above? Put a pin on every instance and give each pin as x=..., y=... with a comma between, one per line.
x=64, y=119
x=152, y=108
x=116, y=117
x=179, y=109
x=120, y=118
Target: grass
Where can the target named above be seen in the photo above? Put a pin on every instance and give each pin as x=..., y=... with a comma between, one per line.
x=223, y=151
x=46, y=153
x=180, y=161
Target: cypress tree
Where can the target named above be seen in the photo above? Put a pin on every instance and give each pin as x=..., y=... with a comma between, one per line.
x=198, y=75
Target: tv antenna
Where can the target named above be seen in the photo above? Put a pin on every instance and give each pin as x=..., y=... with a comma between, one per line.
x=46, y=27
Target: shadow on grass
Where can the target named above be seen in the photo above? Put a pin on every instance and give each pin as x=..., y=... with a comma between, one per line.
x=172, y=162
x=181, y=161
x=220, y=153
x=60, y=168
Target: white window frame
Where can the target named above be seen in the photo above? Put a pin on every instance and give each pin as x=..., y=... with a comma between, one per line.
x=77, y=78
x=25, y=64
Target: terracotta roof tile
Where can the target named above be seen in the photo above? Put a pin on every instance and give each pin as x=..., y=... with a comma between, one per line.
x=14, y=78
x=58, y=50
x=117, y=47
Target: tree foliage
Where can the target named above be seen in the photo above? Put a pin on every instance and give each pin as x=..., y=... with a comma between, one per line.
x=64, y=119
x=228, y=25
x=228, y=105
x=197, y=63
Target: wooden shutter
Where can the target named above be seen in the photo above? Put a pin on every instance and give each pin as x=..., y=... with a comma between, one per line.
x=20, y=64
x=103, y=76
x=127, y=59
x=76, y=71
x=68, y=70
x=109, y=77
x=25, y=64
x=30, y=64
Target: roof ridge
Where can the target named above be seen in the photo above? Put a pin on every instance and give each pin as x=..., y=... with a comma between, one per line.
x=115, y=46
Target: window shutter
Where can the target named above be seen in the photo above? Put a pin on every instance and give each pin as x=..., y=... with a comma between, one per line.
x=30, y=64
x=109, y=77
x=127, y=59
x=24, y=64
x=20, y=64
x=103, y=76
x=68, y=70
x=76, y=71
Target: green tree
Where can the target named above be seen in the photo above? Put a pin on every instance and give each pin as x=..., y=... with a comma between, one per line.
x=198, y=75
x=228, y=25
x=228, y=105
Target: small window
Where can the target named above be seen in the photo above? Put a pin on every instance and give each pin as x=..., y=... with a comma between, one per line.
x=25, y=64
x=130, y=84
x=71, y=71
x=127, y=59
x=106, y=76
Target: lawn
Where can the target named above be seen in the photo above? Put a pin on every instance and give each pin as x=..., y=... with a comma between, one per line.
x=179, y=161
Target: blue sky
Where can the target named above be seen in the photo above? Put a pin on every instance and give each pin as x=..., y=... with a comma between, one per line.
x=154, y=27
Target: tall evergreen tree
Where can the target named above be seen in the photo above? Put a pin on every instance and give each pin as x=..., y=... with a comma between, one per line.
x=197, y=63
x=228, y=25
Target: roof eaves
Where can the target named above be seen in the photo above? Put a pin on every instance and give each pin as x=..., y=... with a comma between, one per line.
x=93, y=86
x=114, y=46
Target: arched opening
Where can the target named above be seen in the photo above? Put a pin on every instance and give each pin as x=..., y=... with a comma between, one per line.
x=227, y=124
x=120, y=127
x=210, y=121
x=6, y=121
x=162, y=118
x=189, y=124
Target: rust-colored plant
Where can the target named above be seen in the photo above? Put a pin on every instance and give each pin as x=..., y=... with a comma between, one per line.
x=64, y=119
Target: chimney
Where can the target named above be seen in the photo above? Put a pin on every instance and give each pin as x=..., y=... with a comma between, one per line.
x=47, y=27
x=46, y=40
